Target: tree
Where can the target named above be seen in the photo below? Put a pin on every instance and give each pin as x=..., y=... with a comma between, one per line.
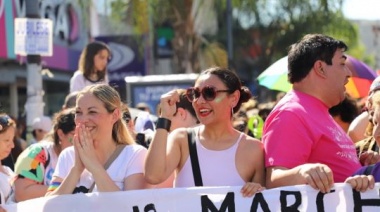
x=190, y=20
x=274, y=25
x=263, y=29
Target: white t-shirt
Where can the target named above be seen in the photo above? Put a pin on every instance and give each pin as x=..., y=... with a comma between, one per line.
x=78, y=81
x=5, y=184
x=130, y=161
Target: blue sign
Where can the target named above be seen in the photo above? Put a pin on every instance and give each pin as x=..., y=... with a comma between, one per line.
x=151, y=94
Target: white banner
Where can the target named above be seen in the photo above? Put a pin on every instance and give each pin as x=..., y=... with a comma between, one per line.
x=290, y=198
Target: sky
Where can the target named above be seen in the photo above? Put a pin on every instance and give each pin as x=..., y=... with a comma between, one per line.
x=362, y=9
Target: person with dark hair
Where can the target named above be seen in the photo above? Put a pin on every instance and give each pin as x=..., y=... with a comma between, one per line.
x=92, y=66
x=140, y=138
x=20, y=145
x=70, y=100
x=185, y=115
x=104, y=156
x=7, y=133
x=303, y=144
x=35, y=165
x=226, y=156
x=345, y=112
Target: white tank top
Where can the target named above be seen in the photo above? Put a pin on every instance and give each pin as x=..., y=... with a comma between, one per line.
x=218, y=168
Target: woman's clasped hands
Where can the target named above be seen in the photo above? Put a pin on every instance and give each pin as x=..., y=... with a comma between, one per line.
x=85, y=156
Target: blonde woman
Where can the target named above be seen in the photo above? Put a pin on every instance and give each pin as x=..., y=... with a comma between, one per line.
x=101, y=137
x=371, y=144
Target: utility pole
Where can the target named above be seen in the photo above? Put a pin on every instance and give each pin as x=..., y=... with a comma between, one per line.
x=229, y=34
x=34, y=103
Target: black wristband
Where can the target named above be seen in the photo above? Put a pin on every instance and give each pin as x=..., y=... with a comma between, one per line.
x=163, y=123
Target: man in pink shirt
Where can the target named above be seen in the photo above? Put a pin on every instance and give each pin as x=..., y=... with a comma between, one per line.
x=303, y=144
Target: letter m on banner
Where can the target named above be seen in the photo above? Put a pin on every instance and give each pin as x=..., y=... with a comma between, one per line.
x=228, y=204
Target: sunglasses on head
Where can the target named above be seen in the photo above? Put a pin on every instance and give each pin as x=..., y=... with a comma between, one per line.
x=208, y=93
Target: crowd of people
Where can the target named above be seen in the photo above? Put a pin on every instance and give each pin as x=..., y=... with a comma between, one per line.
x=212, y=134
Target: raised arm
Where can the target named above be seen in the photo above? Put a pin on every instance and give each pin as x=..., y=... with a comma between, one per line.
x=164, y=151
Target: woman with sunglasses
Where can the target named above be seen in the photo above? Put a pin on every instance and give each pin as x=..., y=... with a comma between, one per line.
x=226, y=156
x=7, y=133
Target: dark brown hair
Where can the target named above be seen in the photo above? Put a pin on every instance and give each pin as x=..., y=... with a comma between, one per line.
x=232, y=82
x=185, y=103
x=86, y=60
x=312, y=47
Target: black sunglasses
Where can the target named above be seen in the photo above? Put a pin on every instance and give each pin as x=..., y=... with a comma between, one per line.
x=208, y=93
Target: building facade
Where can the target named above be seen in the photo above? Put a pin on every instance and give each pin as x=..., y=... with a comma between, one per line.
x=74, y=25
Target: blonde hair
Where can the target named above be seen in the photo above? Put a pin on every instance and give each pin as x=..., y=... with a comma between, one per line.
x=372, y=106
x=375, y=100
x=111, y=100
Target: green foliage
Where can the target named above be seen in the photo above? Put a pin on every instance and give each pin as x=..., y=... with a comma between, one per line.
x=277, y=23
x=281, y=23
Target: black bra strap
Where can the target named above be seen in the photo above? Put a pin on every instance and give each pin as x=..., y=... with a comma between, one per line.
x=194, y=157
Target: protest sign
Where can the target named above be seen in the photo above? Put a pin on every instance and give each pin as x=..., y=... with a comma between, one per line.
x=289, y=198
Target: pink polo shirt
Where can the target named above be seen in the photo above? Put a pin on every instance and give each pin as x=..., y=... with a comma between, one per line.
x=300, y=130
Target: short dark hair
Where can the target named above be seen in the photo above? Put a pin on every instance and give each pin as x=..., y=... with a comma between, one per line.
x=65, y=121
x=126, y=113
x=312, y=47
x=348, y=110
